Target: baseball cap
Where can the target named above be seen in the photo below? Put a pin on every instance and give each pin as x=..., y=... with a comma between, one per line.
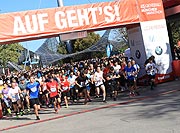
x=22, y=78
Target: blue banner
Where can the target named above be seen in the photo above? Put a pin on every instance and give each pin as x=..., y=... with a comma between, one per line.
x=109, y=48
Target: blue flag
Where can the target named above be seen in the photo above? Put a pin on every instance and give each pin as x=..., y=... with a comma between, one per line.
x=109, y=48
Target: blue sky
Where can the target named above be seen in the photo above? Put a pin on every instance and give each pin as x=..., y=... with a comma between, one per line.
x=8, y=6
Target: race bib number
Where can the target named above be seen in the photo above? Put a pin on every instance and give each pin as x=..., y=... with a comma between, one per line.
x=153, y=72
x=129, y=73
x=13, y=97
x=53, y=89
x=71, y=86
x=44, y=88
x=34, y=89
x=65, y=88
x=82, y=84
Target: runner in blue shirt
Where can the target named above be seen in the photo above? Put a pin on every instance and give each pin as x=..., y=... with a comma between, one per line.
x=33, y=92
x=130, y=73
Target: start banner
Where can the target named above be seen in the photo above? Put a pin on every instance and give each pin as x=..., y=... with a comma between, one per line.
x=29, y=25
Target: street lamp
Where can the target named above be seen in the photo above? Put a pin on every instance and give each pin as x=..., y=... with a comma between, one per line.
x=60, y=3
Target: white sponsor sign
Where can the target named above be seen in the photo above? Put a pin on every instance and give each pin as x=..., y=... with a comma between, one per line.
x=137, y=48
x=156, y=42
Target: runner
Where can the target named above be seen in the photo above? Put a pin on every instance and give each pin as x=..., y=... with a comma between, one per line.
x=112, y=78
x=81, y=83
x=151, y=70
x=88, y=83
x=65, y=87
x=24, y=98
x=130, y=73
x=1, y=104
x=137, y=68
x=91, y=88
x=45, y=92
x=14, y=96
x=33, y=93
x=98, y=79
x=53, y=88
x=72, y=81
x=117, y=67
x=6, y=101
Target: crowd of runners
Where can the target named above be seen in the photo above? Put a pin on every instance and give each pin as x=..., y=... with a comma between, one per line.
x=58, y=85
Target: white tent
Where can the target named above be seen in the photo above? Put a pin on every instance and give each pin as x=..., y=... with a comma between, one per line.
x=127, y=52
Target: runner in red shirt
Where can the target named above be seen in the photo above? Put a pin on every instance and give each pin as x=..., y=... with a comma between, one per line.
x=44, y=90
x=65, y=87
x=53, y=89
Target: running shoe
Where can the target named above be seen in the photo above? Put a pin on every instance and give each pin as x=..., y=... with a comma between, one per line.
x=89, y=100
x=9, y=111
x=137, y=93
x=21, y=113
x=85, y=103
x=28, y=110
x=17, y=115
x=37, y=118
x=152, y=88
x=131, y=95
x=56, y=110
x=104, y=101
x=75, y=100
x=97, y=96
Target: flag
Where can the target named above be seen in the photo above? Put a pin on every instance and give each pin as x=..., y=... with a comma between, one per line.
x=109, y=48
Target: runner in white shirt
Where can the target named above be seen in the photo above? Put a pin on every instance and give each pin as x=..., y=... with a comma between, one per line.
x=137, y=67
x=151, y=70
x=72, y=81
x=14, y=95
x=98, y=79
x=117, y=67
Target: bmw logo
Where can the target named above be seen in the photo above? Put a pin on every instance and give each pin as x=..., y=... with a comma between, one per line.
x=158, y=50
x=138, y=54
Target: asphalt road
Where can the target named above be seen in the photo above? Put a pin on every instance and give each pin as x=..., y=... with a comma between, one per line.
x=155, y=111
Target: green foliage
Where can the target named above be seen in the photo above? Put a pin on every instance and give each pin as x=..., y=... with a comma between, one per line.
x=123, y=48
x=84, y=43
x=10, y=52
x=62, y=49
x=123, y=31
x=80, y=44
x=175, y=28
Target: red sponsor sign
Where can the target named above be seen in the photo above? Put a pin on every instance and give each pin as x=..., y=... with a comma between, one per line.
x=150, y=10
x=43, y=23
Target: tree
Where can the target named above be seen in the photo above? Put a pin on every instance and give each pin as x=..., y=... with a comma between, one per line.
x=123, y=32
x=62, y=48
x=84, y=43
x=175, y=28
x=80, y=44
x=9, y=52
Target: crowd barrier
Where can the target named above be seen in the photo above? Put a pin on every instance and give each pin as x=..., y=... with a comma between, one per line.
x=176, y=68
